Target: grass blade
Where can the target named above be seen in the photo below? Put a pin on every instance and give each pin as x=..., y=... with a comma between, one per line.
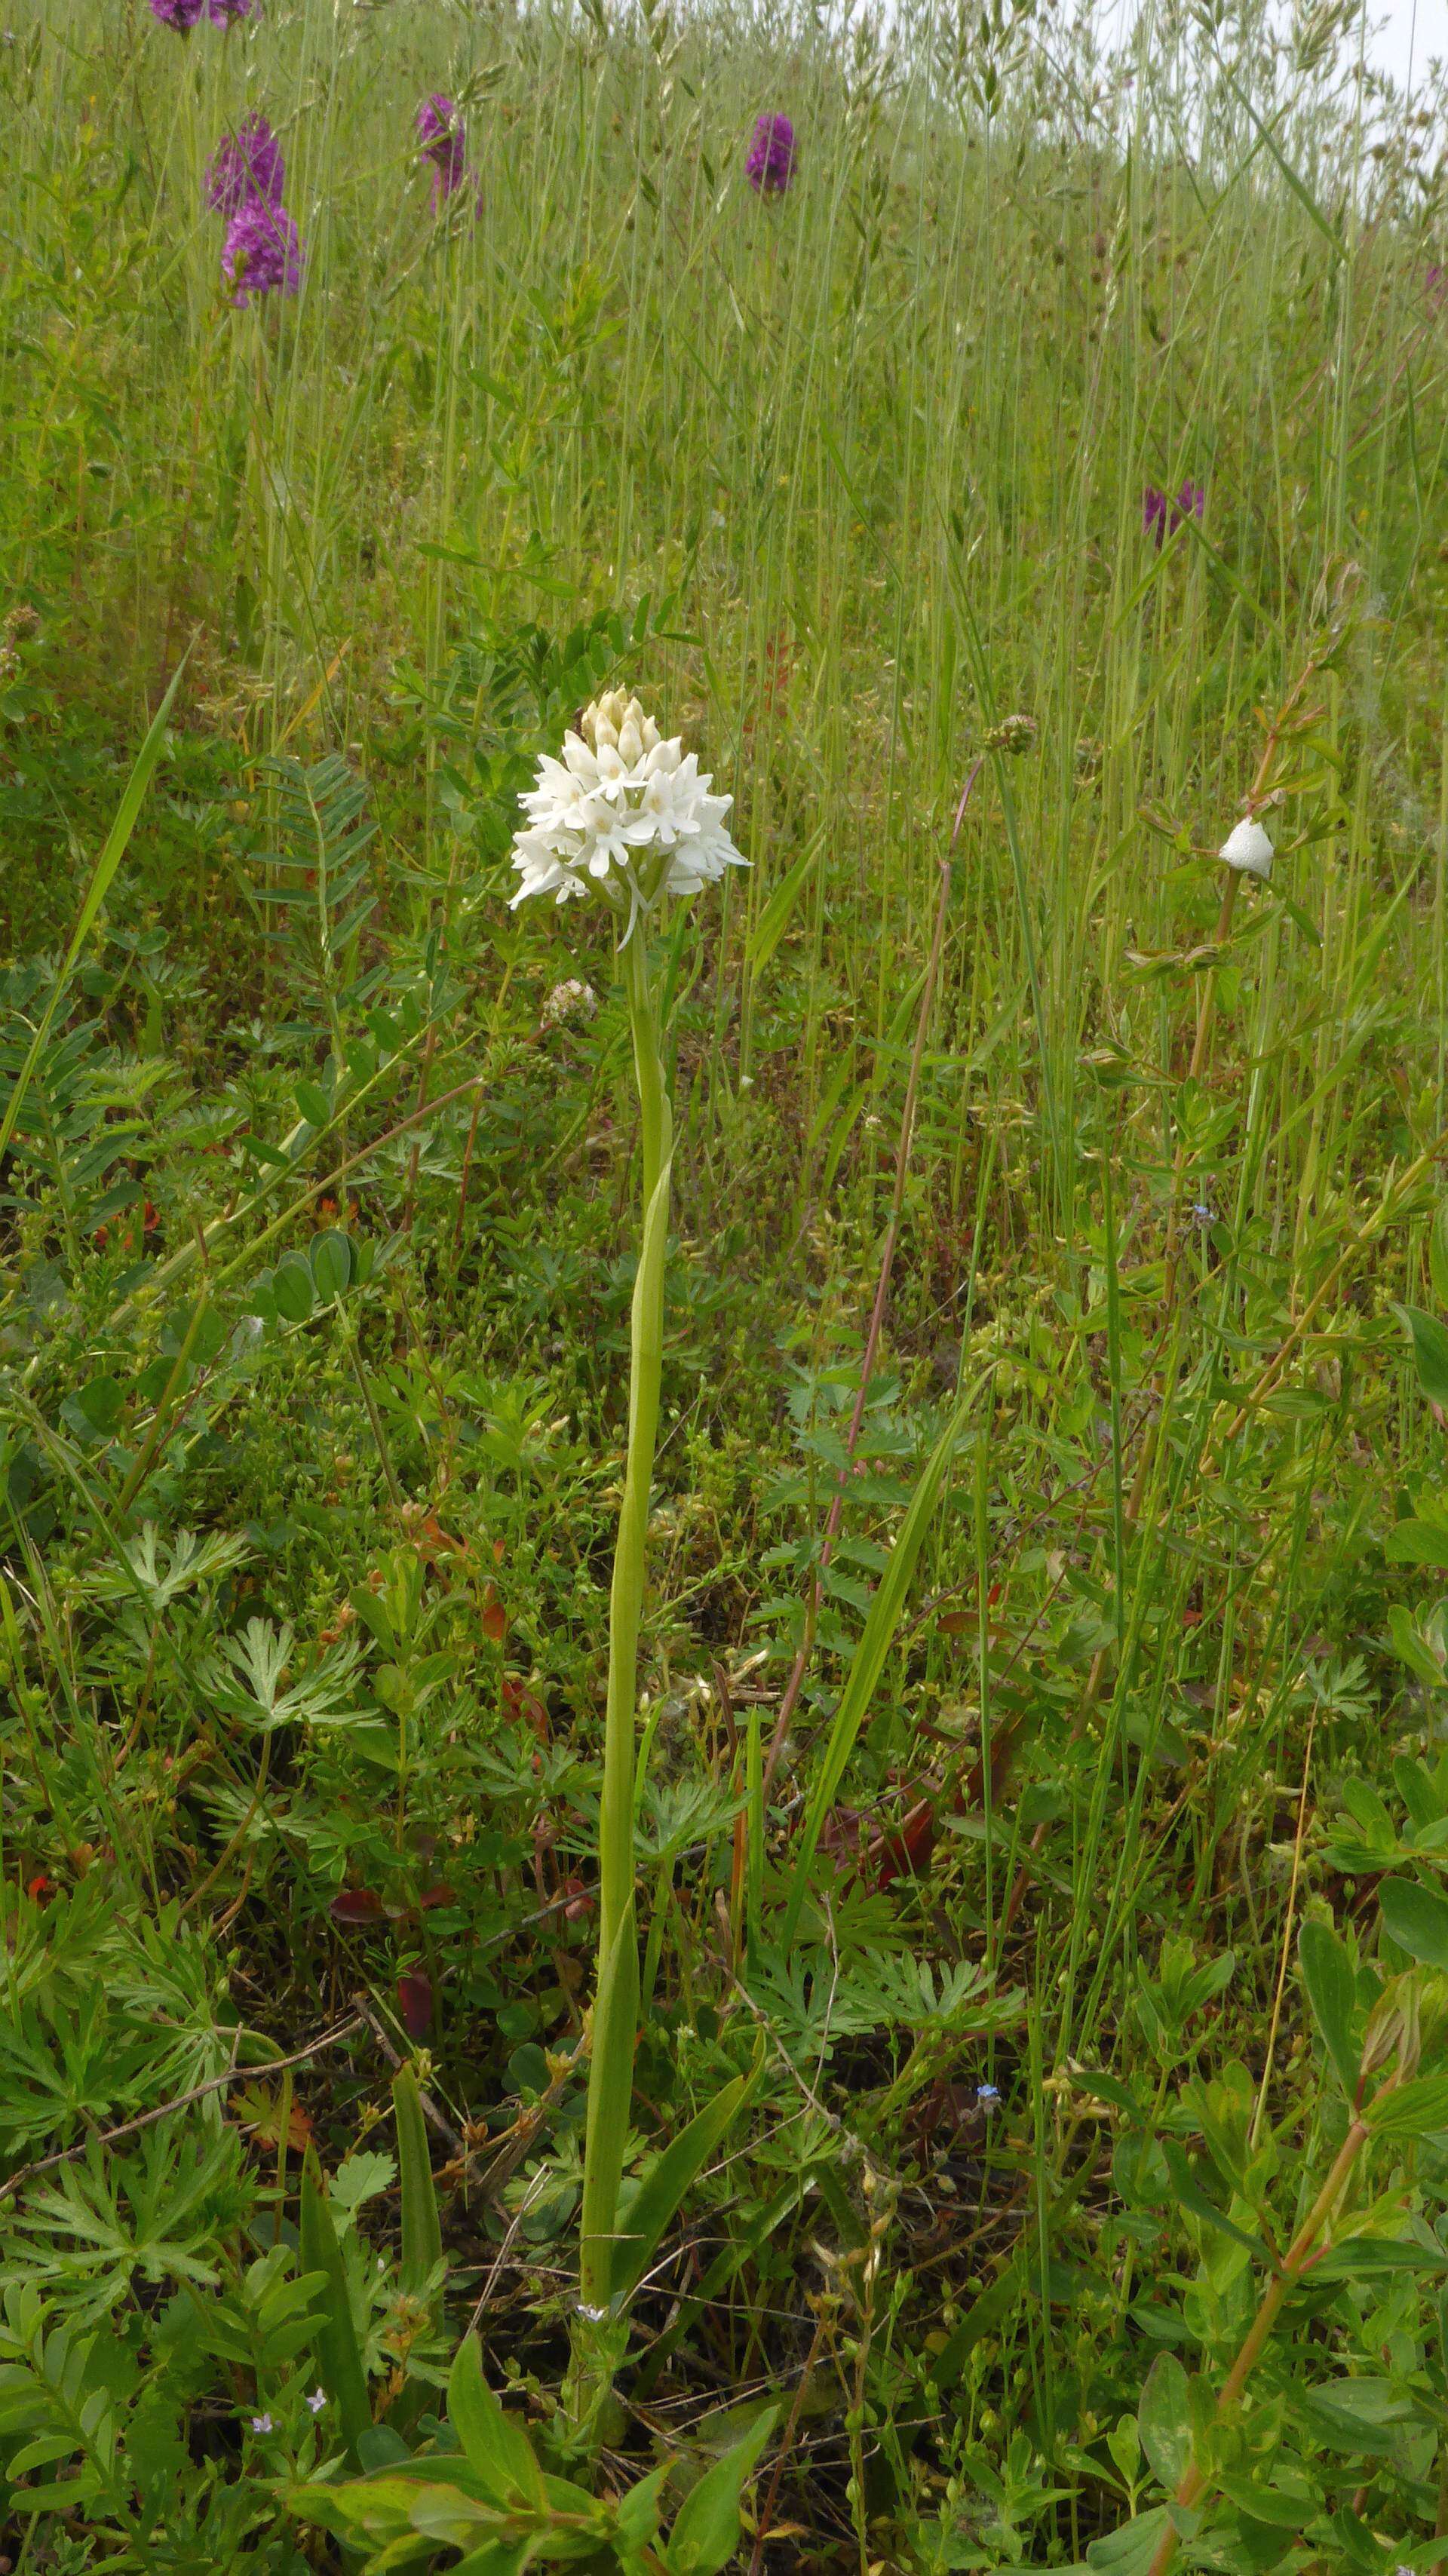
x=873, y=1647
x=95, y=895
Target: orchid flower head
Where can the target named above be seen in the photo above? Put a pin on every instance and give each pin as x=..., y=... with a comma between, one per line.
x=623, y=813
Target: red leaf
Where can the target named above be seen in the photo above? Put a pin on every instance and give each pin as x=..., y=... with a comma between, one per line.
x=439, y=1894
x=432, y=1540
x=908, y=1850
x=523, y=1706
x=356, y=1905
x=414, y=2003
x=495, y=1617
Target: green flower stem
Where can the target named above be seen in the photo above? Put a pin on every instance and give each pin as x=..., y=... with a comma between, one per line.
x=610, y=2085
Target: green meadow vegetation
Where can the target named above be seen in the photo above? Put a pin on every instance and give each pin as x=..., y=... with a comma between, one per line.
x=855, y=1977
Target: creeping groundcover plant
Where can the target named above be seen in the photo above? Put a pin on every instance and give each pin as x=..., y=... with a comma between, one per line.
x=627, y=816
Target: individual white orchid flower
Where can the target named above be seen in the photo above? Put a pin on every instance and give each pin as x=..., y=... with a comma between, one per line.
x=1247, y=849
x=623, y=812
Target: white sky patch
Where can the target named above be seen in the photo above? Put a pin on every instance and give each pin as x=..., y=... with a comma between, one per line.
x=1413, y=32
x=1403, y=37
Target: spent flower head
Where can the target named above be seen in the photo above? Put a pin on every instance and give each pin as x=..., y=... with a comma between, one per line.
x=20, y=621
x=568, y=1002
x=245, y=164
x=770, y=162
x=624, y=813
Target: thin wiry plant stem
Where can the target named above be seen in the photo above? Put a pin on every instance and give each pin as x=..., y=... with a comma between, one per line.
x=795, y=1683
x=182, y=2102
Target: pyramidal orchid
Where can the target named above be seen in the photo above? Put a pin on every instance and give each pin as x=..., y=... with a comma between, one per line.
x=626, y=816
x=1161, y=517
x=442, y=140
x=245, y=164
x=262, y=252
x=623, y=814
x=769, y=164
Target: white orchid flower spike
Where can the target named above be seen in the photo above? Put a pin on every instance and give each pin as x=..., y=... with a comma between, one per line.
x=623, y=814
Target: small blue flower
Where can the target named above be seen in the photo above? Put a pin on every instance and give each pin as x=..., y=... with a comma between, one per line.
x=987, y=2096
x=262, y=2424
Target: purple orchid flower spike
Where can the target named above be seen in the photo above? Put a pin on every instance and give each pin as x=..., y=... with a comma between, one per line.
x=245, y=164
x=443, y=140
x=1161, y=518
x=262, y=253
x=770, y=163
x=180, y=14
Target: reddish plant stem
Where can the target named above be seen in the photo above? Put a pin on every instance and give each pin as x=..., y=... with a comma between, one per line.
x=1294, y=2263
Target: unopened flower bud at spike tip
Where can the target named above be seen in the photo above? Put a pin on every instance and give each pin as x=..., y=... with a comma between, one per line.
x=623, y=814
x=1248, y=850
